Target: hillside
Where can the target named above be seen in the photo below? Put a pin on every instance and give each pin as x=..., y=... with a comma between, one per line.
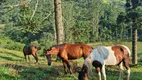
x=14, y=67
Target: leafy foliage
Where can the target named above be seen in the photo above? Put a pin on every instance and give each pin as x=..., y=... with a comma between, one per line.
x=7, y=43
x=84, y=21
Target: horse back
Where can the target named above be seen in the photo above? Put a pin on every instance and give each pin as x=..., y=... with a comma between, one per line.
x=28, y=50
x=77, y=50
x=86, y=50
x=120, y=52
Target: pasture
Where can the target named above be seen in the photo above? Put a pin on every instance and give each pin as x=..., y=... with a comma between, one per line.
x=14, y=67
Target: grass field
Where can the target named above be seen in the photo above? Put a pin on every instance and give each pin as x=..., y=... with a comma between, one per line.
x=14, y=67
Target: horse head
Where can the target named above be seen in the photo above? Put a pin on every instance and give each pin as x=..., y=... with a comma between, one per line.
x=83, y=74
x=48, y=56
x=49, y=52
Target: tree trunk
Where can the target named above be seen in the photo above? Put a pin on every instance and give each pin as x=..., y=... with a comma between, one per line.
x=134, y=44
x=58, y=22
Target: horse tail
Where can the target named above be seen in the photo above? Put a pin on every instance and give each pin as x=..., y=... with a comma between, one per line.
x=129, y=52
x=24, y=48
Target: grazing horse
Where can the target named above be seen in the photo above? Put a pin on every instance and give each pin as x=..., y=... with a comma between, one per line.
x=101, y=56
x=31, y=50
x=68, y=52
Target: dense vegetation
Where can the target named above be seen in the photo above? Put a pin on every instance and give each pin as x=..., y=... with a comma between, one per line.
x=84, y=21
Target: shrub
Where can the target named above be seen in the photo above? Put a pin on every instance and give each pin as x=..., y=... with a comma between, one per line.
x=6, y=42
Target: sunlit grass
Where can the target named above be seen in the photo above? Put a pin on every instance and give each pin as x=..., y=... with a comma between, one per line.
x=7, y=73
x=14, y=67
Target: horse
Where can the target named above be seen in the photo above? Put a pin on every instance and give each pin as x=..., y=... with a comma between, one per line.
x=68, y=52
x=31, y=50
x=106, y=55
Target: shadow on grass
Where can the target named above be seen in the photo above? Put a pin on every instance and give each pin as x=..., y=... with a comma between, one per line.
x=11, y=56
x=32, y=72
x=112, y=73
x=25, y=71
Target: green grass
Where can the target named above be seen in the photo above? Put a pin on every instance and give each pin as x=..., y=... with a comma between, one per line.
x=14, y=67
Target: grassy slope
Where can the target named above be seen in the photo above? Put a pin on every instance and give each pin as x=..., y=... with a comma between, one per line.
x=14, y=67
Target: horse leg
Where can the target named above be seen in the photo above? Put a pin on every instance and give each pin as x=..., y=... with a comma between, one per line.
x=121, y=70
x=57, y=58
x=35, y=56
x=98, y=67
x=68, y=65
x=126, y=64
x=98, y=72
x=29, y=58
x=25, y=57
x=65, y=69
x=104, y=72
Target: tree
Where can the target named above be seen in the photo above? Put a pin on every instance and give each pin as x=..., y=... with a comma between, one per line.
x=134, y=15
x=28, y=21
x=109, y=24
x=58, y=22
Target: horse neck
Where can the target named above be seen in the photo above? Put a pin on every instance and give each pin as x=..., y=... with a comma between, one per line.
x=59, y=46
x=88, y=62
x=94, y=55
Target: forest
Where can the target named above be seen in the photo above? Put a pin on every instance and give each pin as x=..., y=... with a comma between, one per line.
x=84, y=21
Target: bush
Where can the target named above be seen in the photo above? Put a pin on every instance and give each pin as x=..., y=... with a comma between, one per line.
x=6, y=42
x=47, y=40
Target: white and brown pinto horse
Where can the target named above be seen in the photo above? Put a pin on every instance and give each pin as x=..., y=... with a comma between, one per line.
x=101, y=56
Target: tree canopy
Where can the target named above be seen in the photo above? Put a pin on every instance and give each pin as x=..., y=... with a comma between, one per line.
x=85, y=21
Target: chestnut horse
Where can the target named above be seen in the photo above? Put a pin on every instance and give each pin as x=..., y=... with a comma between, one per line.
x=31, y=50
x=68, y=52
x=101, y=56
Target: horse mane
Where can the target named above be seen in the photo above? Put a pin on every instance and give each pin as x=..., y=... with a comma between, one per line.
x=88, y=63
x=57, y=46
x=36, y=47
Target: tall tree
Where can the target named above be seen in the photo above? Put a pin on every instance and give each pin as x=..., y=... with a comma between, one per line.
x=58, y=21
x=134, y=14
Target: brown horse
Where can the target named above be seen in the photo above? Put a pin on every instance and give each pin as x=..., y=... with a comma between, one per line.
x=101, y=56
x=31, y=50
x=68, y=52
